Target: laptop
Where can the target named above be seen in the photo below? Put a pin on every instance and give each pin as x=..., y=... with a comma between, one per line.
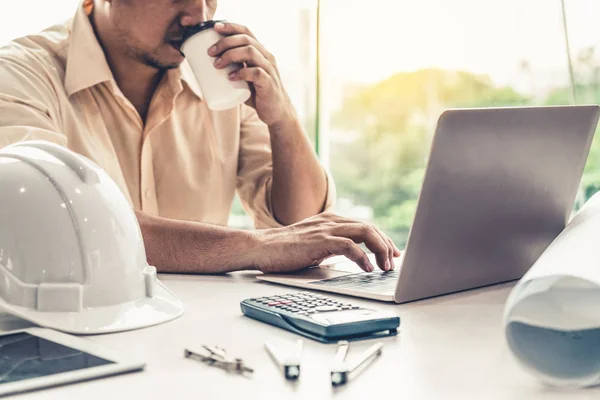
x=499, y=186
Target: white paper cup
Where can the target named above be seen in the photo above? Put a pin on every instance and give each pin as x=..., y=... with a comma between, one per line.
x=219, y=92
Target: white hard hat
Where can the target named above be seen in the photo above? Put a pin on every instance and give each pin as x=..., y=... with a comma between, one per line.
x=72, y=257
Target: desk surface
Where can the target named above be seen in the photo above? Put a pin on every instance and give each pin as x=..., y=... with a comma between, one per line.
x=451, y=347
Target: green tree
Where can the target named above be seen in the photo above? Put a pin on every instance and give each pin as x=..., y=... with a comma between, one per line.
x=587, y=91
x=391, y=124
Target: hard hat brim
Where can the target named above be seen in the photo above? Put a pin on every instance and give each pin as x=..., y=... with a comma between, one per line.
x=162, y=307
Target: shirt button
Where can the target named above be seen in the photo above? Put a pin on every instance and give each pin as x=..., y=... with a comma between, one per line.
x=148, y=193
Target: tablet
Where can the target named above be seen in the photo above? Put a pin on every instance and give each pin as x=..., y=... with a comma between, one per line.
x=35, y=358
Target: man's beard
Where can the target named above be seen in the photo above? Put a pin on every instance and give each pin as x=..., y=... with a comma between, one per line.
x=154, y=63
x=148, y=59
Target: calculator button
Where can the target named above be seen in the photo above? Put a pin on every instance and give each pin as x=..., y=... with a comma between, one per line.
x=346, y=307
x=327, y=308
x=273, y=303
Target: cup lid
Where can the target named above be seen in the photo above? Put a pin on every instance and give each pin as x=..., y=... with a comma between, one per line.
x=192, y=30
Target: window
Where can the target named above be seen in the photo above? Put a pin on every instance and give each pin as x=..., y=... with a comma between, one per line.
x=20, y=18
x=389, y=68
x=584, y=44
x=387, y=78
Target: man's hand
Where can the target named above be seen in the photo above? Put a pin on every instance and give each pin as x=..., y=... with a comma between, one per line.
x=269, y=98
x=313, y=240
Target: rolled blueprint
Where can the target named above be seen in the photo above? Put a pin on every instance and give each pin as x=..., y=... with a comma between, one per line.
x=552, y=316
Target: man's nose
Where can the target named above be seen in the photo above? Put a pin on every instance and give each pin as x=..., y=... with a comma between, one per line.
x=194, y=13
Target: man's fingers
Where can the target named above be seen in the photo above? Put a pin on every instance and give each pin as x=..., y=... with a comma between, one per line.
x=229, y=28
x=231, y=42
x=367, y=234
x=257, y=76
x=248, y=55
x=343, y=221
x=390, y=247
x=347, y=247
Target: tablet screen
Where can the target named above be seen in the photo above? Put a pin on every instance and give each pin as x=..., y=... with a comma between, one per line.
x=24, y=356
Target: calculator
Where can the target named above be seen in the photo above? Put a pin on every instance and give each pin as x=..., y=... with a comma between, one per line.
x=320, y=317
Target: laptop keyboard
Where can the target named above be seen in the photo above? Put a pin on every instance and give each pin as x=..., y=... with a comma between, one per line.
x=374, y=282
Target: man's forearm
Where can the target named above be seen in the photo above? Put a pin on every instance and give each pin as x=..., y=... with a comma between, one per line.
x=299, y=185
x=190, y=247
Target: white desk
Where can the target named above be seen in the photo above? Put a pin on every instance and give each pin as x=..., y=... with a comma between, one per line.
x=450, y=347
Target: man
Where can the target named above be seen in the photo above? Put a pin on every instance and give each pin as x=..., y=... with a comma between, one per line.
x=113, y=86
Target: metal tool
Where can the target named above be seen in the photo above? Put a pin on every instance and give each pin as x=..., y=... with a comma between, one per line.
x=290, y=364
x=343, y=371
x=217, y=357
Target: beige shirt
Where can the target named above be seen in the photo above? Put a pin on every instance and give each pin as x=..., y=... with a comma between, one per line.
x=186, y=162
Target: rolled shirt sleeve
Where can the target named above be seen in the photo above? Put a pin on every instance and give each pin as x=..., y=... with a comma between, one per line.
x=255, y=172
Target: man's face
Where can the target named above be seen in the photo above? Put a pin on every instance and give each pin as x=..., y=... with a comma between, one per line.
x=151, y=30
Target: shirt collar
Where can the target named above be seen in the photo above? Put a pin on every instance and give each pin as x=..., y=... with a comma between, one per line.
x=86, y=62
